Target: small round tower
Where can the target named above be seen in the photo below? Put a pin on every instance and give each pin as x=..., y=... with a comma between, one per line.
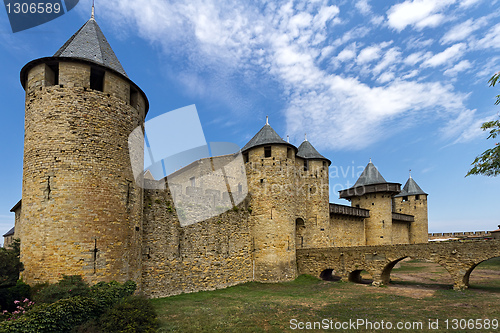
x=270, y=167
x=314, y=199
x=371, y=191
x=82, y=207
x=413, y=201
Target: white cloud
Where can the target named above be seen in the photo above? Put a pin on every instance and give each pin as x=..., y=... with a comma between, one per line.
x=368, y=54
x=448, y=55
x=415, y=58
x=460, y=67
x=418, y=13
x=391, y=57
x=461, y=31
x=491, y=39
x=363, y=6
x=348, y=53
x=468, y=3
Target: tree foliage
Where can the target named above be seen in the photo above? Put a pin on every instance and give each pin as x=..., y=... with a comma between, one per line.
x=488, y=163
x=10, y=266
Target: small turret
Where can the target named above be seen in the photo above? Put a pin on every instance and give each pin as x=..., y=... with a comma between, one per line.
x=313, y=197
x=413, y=201
x=371, y=191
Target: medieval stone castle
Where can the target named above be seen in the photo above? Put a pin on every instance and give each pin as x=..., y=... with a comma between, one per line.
x=83, y=211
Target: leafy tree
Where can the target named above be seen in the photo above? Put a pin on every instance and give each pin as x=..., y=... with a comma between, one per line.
x=488, y=163
x=10, y=266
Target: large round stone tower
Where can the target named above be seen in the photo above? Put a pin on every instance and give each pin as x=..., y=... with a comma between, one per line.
x=270, y=165
x=82, y=207
x=371, y=191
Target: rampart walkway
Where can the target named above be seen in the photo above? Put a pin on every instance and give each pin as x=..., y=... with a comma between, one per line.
x=458, y=258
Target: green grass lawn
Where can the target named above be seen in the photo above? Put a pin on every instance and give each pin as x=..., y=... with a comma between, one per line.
x=258, y=307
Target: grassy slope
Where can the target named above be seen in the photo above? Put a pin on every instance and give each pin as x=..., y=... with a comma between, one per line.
x=256, y=307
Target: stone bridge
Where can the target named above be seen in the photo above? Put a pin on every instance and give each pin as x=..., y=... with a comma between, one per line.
x=458, y=258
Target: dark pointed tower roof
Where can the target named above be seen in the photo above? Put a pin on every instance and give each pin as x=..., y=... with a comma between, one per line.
x=411, y=188
x=307, y=151
x=89, y=43
x=266, y=136
x=370, y=181
x=370, y=176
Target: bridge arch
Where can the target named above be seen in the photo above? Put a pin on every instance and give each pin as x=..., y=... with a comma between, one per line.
x=329, y=274
x=466, y=277
x=386, y=272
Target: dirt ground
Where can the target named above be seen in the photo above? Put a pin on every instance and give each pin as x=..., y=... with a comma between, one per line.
x=422, y=279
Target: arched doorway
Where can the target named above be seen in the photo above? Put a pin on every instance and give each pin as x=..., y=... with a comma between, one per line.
x=300, y=228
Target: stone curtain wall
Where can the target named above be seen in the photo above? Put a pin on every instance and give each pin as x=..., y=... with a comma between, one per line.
x=212, y=254
x=347, y=230
x=458, y=258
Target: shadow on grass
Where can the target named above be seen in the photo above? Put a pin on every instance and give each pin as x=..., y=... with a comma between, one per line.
x=432, y=286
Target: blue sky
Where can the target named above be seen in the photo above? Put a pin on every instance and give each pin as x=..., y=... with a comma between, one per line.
x=401, y=82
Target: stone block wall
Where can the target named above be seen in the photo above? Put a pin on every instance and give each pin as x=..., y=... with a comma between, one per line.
x=347, y=230
x=212, y=254
x=378, y=227
x=401, y=232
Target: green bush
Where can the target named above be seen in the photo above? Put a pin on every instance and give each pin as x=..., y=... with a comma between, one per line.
x=59, y=317
x=10, y=266
x=130, y=315
x=8, y=295
x=68, y=313
x=68, y=287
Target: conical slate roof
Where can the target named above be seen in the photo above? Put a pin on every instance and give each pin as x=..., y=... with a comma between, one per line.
x=307, y=151
x=266, y=136
x=89, y=43
x=411, y=188
x=10, y=232
x=370, y=176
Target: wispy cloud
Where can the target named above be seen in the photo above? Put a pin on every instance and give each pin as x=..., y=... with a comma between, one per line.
x=297, y=45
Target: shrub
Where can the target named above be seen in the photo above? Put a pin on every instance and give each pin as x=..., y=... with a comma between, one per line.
x=59, y=317
x=68, y=287
x=68, y=313
x=10, y=266
x=8, y=295
x=132, y=314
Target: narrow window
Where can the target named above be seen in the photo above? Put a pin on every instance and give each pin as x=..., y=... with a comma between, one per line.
x=134, y=97
x=325, y=165
x=96, y=79
x=405, y=198
x=193, y=181
x=289, y=153
x=306, y=165
x=417, y=197
x=52, y=75
x=245, y=157
x=267, y=151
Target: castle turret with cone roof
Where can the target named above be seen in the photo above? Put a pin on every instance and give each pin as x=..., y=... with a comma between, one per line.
x=413, y=201
x=82, y=207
